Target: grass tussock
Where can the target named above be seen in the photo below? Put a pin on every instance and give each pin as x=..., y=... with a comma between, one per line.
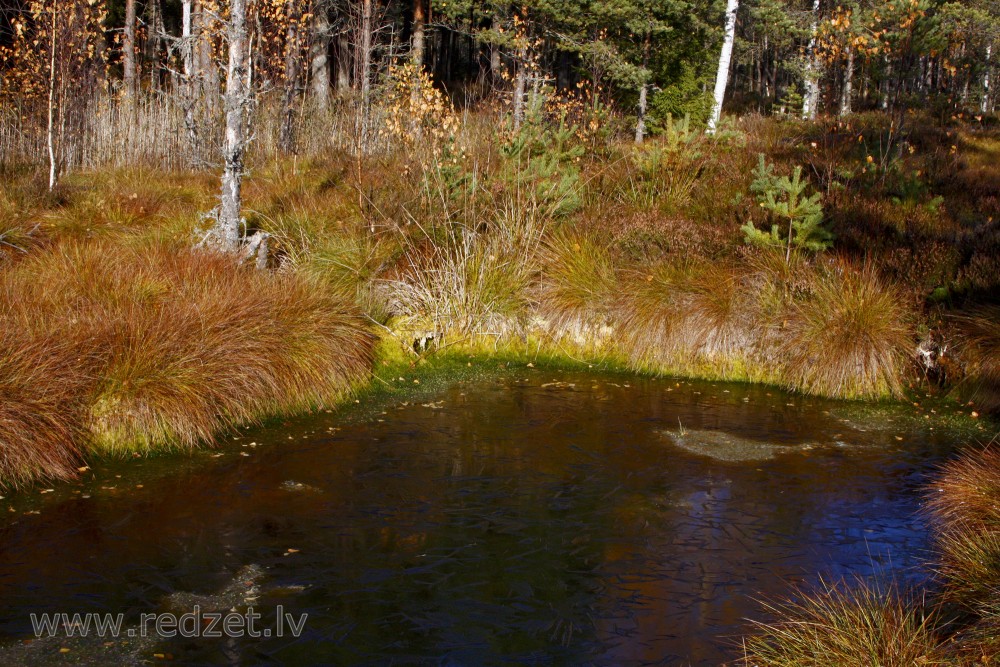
x=964, y=502
x=40, y=413
x=578, y=287
x=686, y=317
x=967, y=492
x=980, y=342
x=168, y=347
x=842, y=626
x=849, y=338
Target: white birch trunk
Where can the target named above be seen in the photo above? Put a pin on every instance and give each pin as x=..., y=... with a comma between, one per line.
x=237, y=101
x=848, y=91
x=640, y=124
x=52, y=92
x=811, y=101
x=320, y=61
x=722, y=76
x=128, y=50
x=985, y=107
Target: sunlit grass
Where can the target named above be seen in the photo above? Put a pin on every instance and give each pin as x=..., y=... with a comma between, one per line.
x=166, y=347
x=863, y=625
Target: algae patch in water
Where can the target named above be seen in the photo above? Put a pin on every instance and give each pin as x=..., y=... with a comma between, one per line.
x=723, y=446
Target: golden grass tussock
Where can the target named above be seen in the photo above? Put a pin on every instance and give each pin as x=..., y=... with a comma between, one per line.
x=41, y=409
x=967, y=492
x=176, y=345
x=964, y=502
x=578, y=286
x=687, y=317
x=969, y=562
x=842, y=626
x=849, y=338
x=980, y=344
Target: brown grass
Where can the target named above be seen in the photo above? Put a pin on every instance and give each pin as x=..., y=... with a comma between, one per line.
x=172, y=345
x=687, y=316
x=980, y=344
x=967, y=491
x=857, y=626
x=578, y=286
x=849, y=338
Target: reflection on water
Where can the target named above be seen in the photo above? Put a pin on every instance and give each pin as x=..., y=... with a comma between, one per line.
x=558, y=518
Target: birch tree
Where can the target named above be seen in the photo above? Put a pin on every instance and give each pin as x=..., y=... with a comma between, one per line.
x=725, y=57
x=237, y=106
x=50, y=140
x=319, y=61
x=813, y=67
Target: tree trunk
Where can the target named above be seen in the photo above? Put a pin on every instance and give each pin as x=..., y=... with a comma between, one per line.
x=640, y=125
x=811, y=101
x=52, y=91
x=153, y=38
x=343, y=47
x=188, y=94
x=495, y=62
x=520, y=86
x=985, y=106
x=128, y=50
x=206, y=64
x=419, y=29
x=320, y=60
x=237, y=102
x=364, y=60
x=847, y=91
x=286, y=140
x=722, y=76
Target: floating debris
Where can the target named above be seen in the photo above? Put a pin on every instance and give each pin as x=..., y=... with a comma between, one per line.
x=723, y=446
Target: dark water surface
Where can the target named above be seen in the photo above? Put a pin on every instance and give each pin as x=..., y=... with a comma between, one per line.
x=554, y=518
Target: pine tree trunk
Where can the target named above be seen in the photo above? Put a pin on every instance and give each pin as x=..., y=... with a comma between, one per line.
x=725, y=57
x=237, y=101
x=153, y=38
x=128, y=50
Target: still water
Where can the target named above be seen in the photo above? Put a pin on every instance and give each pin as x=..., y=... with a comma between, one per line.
x=542, y=518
